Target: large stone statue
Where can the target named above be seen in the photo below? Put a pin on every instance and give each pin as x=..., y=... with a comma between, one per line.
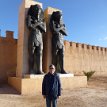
x=36, y=26
x=58, y=31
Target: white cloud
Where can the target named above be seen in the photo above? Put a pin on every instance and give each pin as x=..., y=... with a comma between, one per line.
x=103, y=39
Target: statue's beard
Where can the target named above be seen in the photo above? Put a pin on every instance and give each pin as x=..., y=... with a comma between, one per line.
x=37, y=17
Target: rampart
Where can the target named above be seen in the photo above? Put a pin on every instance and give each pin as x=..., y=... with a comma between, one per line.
x=82, y=57
x=8, y=55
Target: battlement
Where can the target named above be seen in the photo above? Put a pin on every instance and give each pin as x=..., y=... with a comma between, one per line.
x=9, y=34
x=9, y=38
x=75, y=45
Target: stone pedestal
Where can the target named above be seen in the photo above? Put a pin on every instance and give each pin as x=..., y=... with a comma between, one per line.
x=33, y=85
x=22, y=48
x=36, y=76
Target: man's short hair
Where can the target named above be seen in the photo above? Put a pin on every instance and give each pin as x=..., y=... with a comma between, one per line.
x=51, y=66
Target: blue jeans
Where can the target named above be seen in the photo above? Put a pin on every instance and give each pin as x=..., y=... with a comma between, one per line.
x=51, y=101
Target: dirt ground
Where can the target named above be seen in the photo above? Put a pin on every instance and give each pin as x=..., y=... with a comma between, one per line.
x=95, y=95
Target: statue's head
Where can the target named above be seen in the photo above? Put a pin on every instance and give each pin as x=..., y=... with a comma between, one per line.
x=35, y=11
x=57, y=16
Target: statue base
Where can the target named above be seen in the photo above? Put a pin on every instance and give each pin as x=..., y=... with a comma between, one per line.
x=32, y=84
x=42, y=75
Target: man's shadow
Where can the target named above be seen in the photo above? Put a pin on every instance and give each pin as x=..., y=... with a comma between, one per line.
x=7, y=89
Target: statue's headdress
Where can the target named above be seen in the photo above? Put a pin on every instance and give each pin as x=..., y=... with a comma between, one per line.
x=35, y=10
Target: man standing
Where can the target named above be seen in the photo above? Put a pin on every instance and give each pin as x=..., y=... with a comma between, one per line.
x=51, y=87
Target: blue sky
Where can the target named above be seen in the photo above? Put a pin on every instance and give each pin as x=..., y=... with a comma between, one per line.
x=85, y=20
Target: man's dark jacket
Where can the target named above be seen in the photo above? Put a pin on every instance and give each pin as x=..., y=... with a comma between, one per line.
x=51, y=86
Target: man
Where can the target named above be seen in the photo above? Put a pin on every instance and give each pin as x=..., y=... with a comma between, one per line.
x=51, y=87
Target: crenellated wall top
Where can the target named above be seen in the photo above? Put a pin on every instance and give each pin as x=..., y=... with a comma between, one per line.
x=9, y=38
x=75, y=45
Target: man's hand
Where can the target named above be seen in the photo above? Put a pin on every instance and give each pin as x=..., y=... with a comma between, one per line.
x=44, y=96
x=58, y=97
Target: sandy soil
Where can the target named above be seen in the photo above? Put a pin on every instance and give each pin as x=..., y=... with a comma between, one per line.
x=95, y=95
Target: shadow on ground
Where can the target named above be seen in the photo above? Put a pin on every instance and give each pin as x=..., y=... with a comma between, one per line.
x=6, y=89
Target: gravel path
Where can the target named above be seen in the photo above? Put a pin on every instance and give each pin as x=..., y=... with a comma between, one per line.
x=95, y=95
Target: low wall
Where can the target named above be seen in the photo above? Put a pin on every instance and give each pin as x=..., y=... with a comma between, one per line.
x=16, y=83
x=33, y=86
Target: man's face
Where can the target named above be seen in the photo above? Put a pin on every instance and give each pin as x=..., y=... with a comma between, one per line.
x=52, y=69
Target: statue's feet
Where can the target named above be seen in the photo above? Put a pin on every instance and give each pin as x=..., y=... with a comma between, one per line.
x=32, y=72
x=40, y=72
x=63, y=72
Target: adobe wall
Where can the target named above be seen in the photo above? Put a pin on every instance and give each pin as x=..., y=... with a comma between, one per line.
x=8, y=54
x=83, y=57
